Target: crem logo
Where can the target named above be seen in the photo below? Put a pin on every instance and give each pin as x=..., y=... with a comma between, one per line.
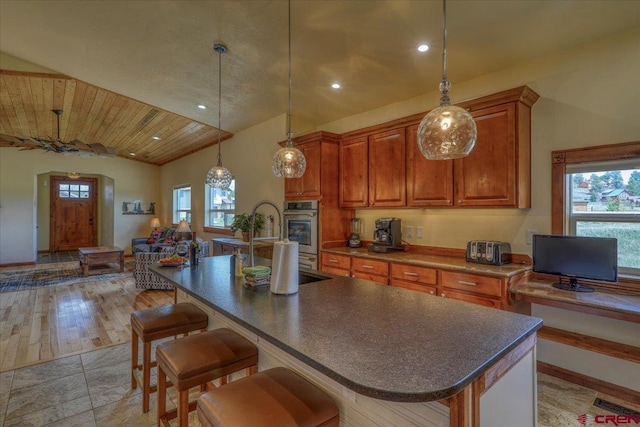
x=616, y=420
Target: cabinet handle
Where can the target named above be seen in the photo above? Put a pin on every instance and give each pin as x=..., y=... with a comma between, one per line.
x=367, y=266
x=431, y=292
x=333, y=260
x=463, y=282
x=443, y=295
x=459, y=202
x=408, y=273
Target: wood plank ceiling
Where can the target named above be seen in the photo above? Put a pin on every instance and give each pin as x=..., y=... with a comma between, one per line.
x=95, y=115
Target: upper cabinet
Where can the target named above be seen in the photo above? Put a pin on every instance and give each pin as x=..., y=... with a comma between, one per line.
x=320, y=150
x=372, y=170
x=497, y=173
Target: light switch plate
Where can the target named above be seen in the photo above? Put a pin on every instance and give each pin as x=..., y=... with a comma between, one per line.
x=419, y=232
x=409, y=231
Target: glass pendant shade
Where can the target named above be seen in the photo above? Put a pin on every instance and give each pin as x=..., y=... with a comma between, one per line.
x=289, y=162
x=219, y=177
x=446, y=132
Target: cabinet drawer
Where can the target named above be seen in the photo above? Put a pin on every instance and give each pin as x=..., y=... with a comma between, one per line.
x=368, y=266
x=471, y=283
x=475, y=299
x=336, y=271
x=373, y=277
x=414, y=286
x=411, y=273
x=336, y=261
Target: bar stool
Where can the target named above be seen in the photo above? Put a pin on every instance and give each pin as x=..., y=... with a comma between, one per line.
x=195, y=361
x=154, y=324
x=275, y=397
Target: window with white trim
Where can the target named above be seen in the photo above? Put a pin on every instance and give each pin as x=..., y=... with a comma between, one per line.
x=220, y=206
x=182, y=203
x=604, y=201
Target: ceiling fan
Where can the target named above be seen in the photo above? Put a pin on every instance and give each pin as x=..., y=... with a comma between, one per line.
x=57, y=146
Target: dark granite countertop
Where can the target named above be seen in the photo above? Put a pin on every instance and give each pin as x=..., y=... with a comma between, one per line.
x=435, y=261
x=385, y=342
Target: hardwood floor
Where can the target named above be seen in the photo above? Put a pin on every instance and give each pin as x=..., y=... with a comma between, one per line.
x=57, y=321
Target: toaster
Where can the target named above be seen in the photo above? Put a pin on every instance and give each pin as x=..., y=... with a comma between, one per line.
x=487, y=252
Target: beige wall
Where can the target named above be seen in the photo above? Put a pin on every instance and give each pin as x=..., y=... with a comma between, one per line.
x=588, y=96
x=247, y=156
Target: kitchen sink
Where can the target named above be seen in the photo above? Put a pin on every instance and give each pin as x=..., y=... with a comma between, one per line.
x=305, y=277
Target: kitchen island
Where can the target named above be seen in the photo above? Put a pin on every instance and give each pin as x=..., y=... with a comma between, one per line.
x=387, y=356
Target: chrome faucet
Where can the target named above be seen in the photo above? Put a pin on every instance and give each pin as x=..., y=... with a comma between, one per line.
x=253, y=218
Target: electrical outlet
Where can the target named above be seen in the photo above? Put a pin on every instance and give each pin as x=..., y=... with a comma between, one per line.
x=530, y=234
x=409, y=231
x=419, y=232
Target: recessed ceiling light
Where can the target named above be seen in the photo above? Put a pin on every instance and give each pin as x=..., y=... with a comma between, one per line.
x=202, y=107
x=335, y=85
x=155, y=137
x=423, y=48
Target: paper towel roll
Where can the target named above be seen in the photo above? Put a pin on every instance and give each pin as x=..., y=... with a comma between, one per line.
x=284, y=268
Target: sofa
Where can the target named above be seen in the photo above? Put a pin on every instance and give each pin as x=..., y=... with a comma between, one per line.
x=145, y=279
x=165, y=241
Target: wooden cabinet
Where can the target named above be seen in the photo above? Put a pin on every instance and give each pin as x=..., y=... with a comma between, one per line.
x=429, y=182
x=336, y=264
x=421, y=279
x=387, y=179
x=376, y=271
x=497, y=172
x=372, y=170
x=308, y=186
x=354, y=173
x=482, y=290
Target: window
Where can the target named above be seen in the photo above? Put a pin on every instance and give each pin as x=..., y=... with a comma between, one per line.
x=73, y=191
x=596, y=192
x=220, y=206
x=181, y=204
x=605, y=202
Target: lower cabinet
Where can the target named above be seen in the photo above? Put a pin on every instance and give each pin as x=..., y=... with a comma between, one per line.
x=489, y=291
x=376, y=271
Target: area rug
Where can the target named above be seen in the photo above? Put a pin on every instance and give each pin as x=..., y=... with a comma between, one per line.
x=62, y=274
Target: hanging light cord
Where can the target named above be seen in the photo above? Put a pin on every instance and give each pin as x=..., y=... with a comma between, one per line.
x=219, y=49
x=289, y=134
x=445, y=85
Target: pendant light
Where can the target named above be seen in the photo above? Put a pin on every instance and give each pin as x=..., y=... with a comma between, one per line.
x=288, y=161
x=446, y=132
x=219, y=176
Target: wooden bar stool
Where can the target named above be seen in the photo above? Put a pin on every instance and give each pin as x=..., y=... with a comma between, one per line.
x=195, y=361
x=156, y=323
x=275, y=397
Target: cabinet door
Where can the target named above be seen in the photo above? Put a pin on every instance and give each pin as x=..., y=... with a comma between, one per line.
x=415, y=286
x=336, y=261
x=354, y=173
x=429, y=182
x=490, y=286
x=387, y=176
x=488, y=302
x=369, y=266
x=371, y=277
x=307, y=186
x=487, y=176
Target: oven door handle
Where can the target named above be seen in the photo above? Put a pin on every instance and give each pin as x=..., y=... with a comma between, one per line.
x=311, y=214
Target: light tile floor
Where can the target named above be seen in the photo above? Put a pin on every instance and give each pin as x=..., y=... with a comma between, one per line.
x=93, y=389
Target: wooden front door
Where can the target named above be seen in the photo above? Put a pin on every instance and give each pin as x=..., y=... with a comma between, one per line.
x=73, y=210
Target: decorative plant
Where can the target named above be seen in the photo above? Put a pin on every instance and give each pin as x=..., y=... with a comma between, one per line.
x=242, y=222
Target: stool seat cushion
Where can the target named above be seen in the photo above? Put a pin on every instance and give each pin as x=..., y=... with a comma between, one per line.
x=196, y=359
x=275, y=397
x=164, y=321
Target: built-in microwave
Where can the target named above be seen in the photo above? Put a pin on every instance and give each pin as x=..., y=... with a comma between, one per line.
x=301, y=225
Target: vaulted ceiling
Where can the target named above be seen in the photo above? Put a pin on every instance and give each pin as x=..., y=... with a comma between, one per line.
x=139, y=68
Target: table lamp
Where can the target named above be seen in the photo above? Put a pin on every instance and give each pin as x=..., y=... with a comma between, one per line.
x=155, y=224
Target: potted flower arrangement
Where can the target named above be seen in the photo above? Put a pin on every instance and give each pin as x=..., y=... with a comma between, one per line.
x=242, y=222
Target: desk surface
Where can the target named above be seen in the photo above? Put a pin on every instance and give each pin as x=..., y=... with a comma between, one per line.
x=618, y=306
x=381, y=341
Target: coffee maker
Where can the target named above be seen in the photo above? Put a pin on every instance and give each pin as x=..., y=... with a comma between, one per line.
x=387, y=235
